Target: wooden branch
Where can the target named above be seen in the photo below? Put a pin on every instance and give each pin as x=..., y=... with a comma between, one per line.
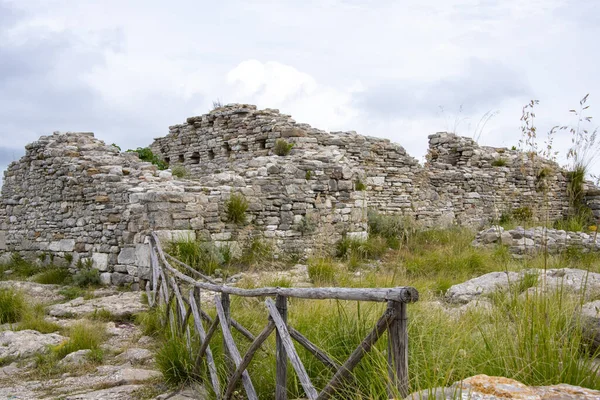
x=314, y=350
x=240, y=328
x=281, y=358
x=247, y=359
x=180, y=303
x=398, y=351
x=231, y=347
x=309, y=389
x=210, y=360
x=404, y=294
x=357, y=355
x=209, y=335
x=187, y=267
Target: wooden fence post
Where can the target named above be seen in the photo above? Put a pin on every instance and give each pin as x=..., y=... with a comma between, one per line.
x=398, y=351
x=226, y=303
x=281, y=382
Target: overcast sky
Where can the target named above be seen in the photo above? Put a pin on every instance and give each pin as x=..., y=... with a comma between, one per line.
x=127, y=69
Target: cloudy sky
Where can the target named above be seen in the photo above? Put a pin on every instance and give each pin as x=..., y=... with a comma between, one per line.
x=127, y=69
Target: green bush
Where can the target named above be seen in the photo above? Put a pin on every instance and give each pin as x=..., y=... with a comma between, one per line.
x=499, y=162
x=235, y=208
x=396, y=229
x=358, y=185
x=282, y=147
x=12, y=306
x=522, y=214
x=202, y=256
x=87, y=277
x=179, y=171
x=145, y=154
x=256, y=251
x=72, y=292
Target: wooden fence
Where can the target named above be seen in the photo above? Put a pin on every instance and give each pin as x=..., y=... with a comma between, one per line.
x=164, y=289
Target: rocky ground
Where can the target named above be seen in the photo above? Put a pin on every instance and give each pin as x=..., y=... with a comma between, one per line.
x=127, y=370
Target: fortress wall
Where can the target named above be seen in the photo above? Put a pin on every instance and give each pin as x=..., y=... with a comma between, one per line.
x=71, y=193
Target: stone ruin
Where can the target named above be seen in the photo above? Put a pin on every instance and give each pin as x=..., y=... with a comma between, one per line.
x=72, y=193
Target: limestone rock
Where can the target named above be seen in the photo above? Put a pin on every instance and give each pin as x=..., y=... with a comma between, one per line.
x=120, y=305
x=22, y=344
x=485, y=284
x=483, y=387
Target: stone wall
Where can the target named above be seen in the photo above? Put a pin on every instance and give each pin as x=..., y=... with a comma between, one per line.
x=71, y=193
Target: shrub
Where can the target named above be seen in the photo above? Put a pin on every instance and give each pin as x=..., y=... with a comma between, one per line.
x=522, y=214
x=395, y=229
x=499, y=162
x=87, y=277
x=308, y=174
x=256, y=251
x=53, y=276
x=12, y=306
x=202, y=256
x=235, y=208
x=175, y=361
x=179, y=171
x=322, y=270
x=358, y=185
x=282, y=147
x=145, y=154
x=81, y=336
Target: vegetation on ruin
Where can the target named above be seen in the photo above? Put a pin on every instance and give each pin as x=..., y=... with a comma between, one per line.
x=282, y=147
x=235, y=208
x=145, y=154
x=179, y=171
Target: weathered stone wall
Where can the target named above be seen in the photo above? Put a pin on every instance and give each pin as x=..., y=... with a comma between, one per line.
x=71, y=193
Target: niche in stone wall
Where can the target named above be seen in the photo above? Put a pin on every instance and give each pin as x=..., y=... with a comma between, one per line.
x=181, y=158
x=227, y=149
x=244, y=146
x=167, y=160
x=195, y=158
x=211, y=154
x=262, y=143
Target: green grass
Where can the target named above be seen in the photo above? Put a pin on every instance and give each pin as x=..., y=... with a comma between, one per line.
x=202, y=256
x=53, y=276
x=21, y=268
x=532, y=336
x=179, y=171
x=34, y=318
x=73, y=292
x=82, y=336
x=235, y=208
x=12, y=306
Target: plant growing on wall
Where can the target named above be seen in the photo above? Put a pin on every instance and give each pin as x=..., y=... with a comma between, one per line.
x=282, y=147
x=235, y=208
x=179, y=171
x=145, y=154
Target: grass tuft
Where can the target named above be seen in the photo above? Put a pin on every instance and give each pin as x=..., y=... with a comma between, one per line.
x=12, y=306
x=235, y=208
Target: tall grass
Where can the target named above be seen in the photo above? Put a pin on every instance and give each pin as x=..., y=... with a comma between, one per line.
x=82, y=336
x=12, y=306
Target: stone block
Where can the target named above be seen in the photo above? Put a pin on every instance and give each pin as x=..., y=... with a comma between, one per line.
x=62, y=245
x=119, y=279
x=142, y=255
x=105, y=278
x=127, y=256
x=3, y=240
x=100, y=261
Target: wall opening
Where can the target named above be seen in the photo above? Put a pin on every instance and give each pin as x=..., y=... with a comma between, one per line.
x=227, y=149
x=262, y=143
x=211, y=154
x=196, y=158
x=181, y=158
x=167, y=160
x=244, y=146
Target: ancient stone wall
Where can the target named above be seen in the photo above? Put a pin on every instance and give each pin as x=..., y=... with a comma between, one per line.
x=71, y=193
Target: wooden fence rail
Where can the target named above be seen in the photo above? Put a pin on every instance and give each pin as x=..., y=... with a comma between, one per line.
x=164, y=290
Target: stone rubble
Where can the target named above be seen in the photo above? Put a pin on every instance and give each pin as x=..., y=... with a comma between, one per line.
x=522, y=241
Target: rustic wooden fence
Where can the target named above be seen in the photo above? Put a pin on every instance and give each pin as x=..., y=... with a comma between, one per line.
x=164, y=289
